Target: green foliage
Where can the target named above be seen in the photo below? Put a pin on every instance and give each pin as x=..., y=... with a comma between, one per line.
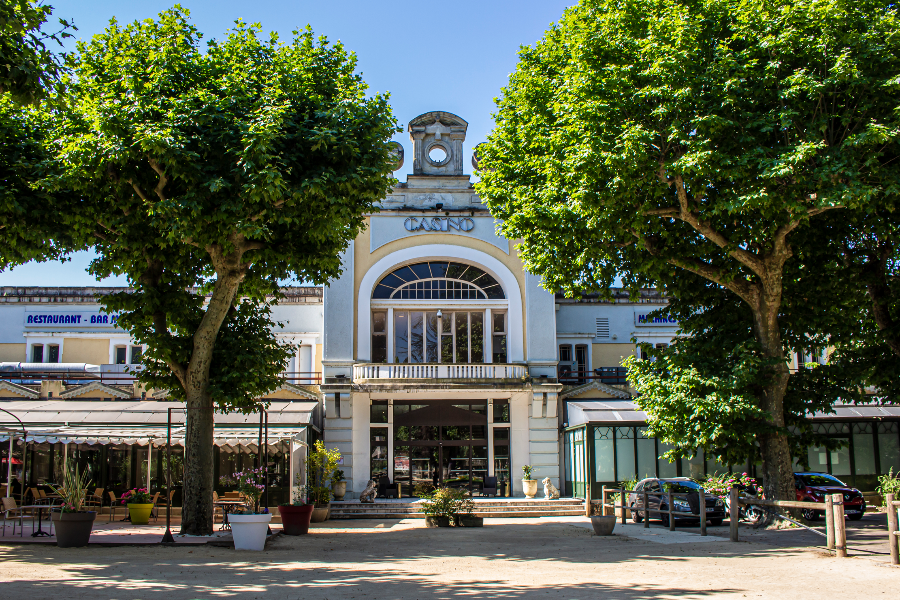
x=250, y=483
x=423, y=489
x=683, y=144
x=321, y=465
x=33, y=221
x=74, y=487
x=338, y=476
x=27, y=68
x=447, y=502
x=889, y=484
x=136, y=496
x=526, y=472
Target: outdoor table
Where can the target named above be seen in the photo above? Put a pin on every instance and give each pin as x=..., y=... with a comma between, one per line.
x=40, y=508
x=227, y=506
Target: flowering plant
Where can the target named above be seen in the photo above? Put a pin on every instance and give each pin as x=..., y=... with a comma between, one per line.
x=720, y=484
x=251, y=483
x=73, y=489
x=137, y=496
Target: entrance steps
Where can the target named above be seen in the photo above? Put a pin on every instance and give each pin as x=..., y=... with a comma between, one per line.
x=499, y=508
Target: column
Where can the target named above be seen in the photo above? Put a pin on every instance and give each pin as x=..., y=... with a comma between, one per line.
x=488, y=337
x=389, y=332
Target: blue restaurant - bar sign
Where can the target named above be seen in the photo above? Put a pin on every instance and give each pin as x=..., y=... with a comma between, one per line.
x=39, y=318
x=644, y=319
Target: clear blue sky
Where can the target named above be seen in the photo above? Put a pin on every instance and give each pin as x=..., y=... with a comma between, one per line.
x=453, y=57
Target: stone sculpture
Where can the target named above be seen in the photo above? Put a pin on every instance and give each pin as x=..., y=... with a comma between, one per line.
x=550, y=491
x=368, y=494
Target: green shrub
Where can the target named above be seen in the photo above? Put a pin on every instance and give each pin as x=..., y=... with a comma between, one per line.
x=889, y=484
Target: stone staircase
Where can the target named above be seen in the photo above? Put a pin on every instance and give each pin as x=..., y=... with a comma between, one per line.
x=500, y=508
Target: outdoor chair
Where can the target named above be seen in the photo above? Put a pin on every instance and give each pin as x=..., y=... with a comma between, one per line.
x=95, y=499
x=386, y=489
x=114, y=506
x=154, y=512
x=10, y=506
x=490, y=487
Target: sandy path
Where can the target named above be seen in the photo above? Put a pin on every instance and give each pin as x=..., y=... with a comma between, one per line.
x=522, y=559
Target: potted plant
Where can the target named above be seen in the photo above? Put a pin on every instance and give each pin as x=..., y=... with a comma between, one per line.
x=464, y=508
x=250, y=526
x=338, y=485
x=529, y=485
x=140, y=505
x=440, y=507
x=73, y=523
x=322, y=464
x=295, y=517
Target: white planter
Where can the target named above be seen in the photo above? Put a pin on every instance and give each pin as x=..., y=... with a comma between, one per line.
x=529, y=486
x=249, y=531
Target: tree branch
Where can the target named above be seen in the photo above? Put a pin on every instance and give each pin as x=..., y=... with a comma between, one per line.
x=163, y=180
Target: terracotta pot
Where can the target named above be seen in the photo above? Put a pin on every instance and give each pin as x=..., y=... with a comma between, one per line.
x=603, y=525
x=320, y=514
x=140, y=513
x=295, y=519
x=249, y=531
x=437, y=521
x=73, y=530
x=530, y=487
x=339, y=489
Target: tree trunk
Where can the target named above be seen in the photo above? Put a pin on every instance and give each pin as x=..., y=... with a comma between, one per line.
x=197, y=507
x=777, y=470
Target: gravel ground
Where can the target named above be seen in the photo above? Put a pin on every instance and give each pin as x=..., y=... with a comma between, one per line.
x=508, y=558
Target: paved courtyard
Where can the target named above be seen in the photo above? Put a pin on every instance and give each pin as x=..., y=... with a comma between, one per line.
x=508, y=558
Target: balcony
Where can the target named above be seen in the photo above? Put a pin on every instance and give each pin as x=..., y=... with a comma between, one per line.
x=438, y=373
x=607, y=375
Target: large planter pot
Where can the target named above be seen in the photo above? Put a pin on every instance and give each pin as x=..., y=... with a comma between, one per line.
x=530, y=487
x=603, y=525
x=140, y=513
x=437, y=521
x=249, y=531
x=295, y=519
x=339, y=489
x=320, y=514
x=73, y=530
x=469, y=521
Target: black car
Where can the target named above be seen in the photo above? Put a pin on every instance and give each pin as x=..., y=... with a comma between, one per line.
x=657, y=499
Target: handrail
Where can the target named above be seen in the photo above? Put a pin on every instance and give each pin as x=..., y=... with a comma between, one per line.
x=439, y=371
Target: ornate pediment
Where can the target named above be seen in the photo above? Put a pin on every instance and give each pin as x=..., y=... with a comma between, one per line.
x=95, y=388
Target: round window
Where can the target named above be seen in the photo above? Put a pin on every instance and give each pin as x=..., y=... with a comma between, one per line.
x=438, y=155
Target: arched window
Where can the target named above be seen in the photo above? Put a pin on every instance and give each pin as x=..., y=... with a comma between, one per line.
x=438, y=281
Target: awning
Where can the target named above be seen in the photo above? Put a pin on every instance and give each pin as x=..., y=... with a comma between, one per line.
x=627, y=412
x=142, y=423
x=230, y=437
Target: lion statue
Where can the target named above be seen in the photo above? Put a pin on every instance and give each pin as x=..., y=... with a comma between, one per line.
x=368, y=494
x=550, y=492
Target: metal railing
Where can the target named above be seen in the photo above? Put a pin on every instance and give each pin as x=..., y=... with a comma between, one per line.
x=113, y=378
x=438, y=371
x=607, y=375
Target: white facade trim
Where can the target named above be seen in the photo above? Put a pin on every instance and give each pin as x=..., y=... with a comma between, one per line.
x=92, y=387
x=515, y=329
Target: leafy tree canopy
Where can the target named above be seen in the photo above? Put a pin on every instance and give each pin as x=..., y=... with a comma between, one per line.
x=226, y=169
x=28, y=69
x=655, y=140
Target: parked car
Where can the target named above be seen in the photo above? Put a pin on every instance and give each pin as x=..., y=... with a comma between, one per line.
x=657, y=499
x=813, y=487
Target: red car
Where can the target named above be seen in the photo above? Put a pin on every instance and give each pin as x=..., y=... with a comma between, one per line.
x=813, y=487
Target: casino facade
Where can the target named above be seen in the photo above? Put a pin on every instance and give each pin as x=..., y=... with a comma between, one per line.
x=435, y=359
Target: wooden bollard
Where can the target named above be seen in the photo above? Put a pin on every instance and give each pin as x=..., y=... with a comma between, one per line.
x=702, y=511
x=840, y=527
x=734, y=513
x=587, y=499
x=622, y=496
x=893, y=527
x=603, y=501
x=829, y=522
x=671, y=511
